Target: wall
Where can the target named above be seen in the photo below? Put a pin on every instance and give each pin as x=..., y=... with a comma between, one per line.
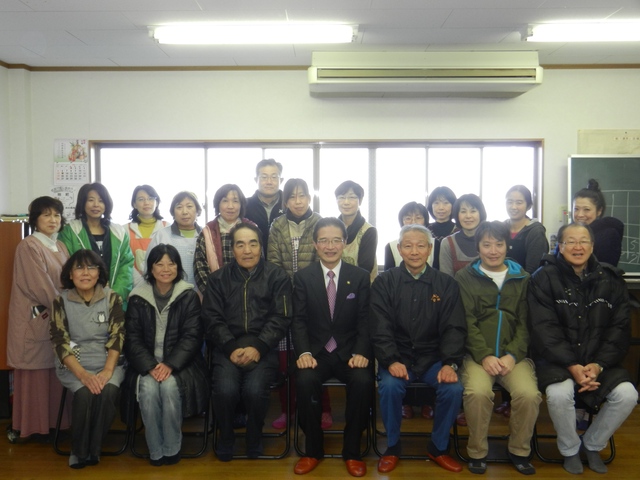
x=275, y=105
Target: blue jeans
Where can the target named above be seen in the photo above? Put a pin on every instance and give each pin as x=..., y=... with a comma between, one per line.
x=561, y=403
x=161, y=409
x=448, y=402
x=233, y=384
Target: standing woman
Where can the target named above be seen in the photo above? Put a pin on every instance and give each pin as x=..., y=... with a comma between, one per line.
x=362, y=237
x=291, y=235
x=183, y=232
x=459, y=249
x=145, y=222
x=92, y=230
x=213, y=247
x=87, y=332
x=588, y=209
x=412, y=213
x=440, y=204
x=528, y=236
x=164, y=351
x=36, y=283
x=291, y=248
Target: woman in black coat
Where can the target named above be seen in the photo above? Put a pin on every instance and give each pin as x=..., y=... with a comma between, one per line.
x=163, y=346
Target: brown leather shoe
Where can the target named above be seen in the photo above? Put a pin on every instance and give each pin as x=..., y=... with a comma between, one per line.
x=356, y=468
x=387, y=463
x=305, y=465
x=407, y=411
x=427, y=412
x=446, y=462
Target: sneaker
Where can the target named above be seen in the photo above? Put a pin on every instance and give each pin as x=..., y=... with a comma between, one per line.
x=478, y=465
x=280, y=423
x=326, y=421
x=522, y=464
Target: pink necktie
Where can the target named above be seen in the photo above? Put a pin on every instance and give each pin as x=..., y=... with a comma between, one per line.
x=331, y=296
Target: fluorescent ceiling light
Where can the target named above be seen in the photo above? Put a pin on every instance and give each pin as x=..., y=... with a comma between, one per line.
x=586, y=32
x=253, y=34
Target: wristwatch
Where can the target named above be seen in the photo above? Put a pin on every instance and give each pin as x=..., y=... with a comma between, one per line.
x=599, y=366
x=455, y=367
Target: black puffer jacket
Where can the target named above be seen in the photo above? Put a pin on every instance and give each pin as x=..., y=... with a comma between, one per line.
x=247, y=310
x=182, y=344
x=417, y=322
x=578, y=321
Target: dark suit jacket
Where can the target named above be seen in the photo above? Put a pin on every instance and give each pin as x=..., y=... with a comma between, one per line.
x=312, y=327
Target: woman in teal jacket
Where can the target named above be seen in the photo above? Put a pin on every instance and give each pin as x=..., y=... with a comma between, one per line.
x=92, y=230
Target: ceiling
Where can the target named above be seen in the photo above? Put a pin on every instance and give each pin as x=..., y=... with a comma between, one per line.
x=113, y=33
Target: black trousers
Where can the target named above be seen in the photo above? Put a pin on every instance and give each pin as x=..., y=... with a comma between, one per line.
x=359, y=382
x=91, y=418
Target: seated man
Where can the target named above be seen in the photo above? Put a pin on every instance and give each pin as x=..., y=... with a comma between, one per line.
x=418, y=331
x=579, y=314
x=330, y=333
x=245, y=311
x=494, y=295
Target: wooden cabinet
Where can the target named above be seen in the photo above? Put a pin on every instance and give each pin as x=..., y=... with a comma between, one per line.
x=11, y=233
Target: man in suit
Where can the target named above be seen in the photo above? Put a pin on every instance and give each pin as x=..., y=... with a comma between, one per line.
x=331, y=339
x=418, y=333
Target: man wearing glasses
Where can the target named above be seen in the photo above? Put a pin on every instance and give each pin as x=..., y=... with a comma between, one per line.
x=331, y=339
x=266, y=204
x=579, y=314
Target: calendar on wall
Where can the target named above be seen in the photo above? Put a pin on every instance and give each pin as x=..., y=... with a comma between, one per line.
x=71, y=166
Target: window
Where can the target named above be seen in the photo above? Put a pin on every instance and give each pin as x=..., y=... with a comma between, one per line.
x=391, y=173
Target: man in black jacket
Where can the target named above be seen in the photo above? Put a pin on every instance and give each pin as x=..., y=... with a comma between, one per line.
x=331, y=339
x=266, y=204
x=418, y=332
x=579, y=314
x=246, y=311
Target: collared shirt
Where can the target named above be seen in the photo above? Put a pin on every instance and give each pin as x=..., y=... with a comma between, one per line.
x=419, y=274
x=336, y=271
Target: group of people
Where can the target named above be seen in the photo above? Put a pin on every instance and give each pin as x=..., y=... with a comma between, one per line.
x=463, y=303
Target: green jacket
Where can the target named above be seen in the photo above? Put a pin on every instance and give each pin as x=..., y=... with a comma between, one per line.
x=75, y=238
x=496, y=319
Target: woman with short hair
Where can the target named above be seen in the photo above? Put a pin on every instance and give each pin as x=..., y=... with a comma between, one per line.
x=411, y=213
x=362, y=237
x=213, y=247
x=87, y=332
x=37, y=265
x=440, y=205
x=183, y=232
x=164, y=349
x=459, y=249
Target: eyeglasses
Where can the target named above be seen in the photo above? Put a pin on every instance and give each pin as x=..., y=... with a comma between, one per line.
x=344, y=198
x=412, y=219
x=80, y=268
x=273, y=177
x=146, y=199
x=329, y=241
x=573, y=243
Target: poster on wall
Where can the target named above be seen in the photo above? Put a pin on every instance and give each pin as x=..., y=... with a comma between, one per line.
x=67, y=195
x=70, y=162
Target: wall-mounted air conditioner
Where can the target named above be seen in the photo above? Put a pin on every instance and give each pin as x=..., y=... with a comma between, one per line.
x=420, y=74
